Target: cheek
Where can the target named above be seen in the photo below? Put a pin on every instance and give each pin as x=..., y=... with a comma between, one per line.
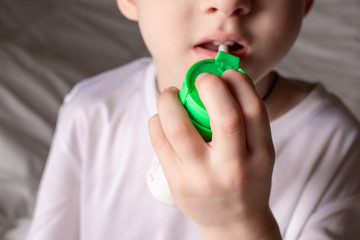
x=161, y=37
x=277, y=35
x=273, y=35
x=280, y=38
x=151, y=23
x=285, y=26
x=150, y=33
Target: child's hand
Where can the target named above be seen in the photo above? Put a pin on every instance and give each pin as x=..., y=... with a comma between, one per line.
x=223, y=185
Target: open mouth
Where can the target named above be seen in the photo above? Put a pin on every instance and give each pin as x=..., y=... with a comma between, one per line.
x=209, y=49
x=214, y=46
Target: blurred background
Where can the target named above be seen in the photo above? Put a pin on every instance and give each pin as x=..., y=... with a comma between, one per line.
x=46, y=46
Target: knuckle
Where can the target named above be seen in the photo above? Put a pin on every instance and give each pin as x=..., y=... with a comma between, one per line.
x=157, y=140
x=230, y=121
x=177, y=132
x=257, y=110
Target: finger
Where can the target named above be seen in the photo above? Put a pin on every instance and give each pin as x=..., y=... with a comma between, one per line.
x=162, y=146
x=256, y=122
x=225, y=115
x=180, y=131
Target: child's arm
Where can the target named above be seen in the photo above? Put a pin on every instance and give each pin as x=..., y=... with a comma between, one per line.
x=224, y=185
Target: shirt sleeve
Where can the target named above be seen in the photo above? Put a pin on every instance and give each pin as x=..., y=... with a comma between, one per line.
x=57, y=209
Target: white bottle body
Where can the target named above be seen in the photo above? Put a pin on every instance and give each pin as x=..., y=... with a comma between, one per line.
x=158, y=184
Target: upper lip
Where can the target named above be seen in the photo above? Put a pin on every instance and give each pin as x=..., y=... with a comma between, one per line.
x=223, y=37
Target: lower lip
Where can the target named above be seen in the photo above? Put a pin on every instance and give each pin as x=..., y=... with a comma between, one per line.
x=203, y=53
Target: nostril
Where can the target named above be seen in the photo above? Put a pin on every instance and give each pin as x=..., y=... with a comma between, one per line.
x=228, y=12
x=236, y=12
x=212, y=10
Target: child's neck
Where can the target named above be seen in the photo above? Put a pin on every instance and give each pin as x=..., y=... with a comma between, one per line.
x=286, y=95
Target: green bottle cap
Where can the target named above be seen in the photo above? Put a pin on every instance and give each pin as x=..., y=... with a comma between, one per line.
x=189, y=96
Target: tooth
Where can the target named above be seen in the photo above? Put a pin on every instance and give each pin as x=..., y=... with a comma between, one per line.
x=217, y=43
x=229, y=43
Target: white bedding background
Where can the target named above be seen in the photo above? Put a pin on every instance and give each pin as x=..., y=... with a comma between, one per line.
x=46, y=46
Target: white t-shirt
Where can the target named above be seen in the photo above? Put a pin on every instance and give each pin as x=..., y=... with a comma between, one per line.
x=94, y=184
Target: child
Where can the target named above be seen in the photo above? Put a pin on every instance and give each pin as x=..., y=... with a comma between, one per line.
x=94, y=184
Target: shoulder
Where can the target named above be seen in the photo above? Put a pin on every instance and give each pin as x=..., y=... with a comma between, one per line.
x=107, y=83
x=106, y=94
x=317, y=151
x=108, y=88
x=334, y=123
x=313, y=106
x=327, y=108
x=99, y=101
x=320, y=122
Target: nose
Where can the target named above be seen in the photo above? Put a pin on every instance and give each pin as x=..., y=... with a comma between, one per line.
x=229, y=7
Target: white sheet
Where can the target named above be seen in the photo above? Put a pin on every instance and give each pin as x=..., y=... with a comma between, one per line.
x=46, y=46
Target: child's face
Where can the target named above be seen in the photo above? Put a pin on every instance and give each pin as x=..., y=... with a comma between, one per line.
x=180, y=32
